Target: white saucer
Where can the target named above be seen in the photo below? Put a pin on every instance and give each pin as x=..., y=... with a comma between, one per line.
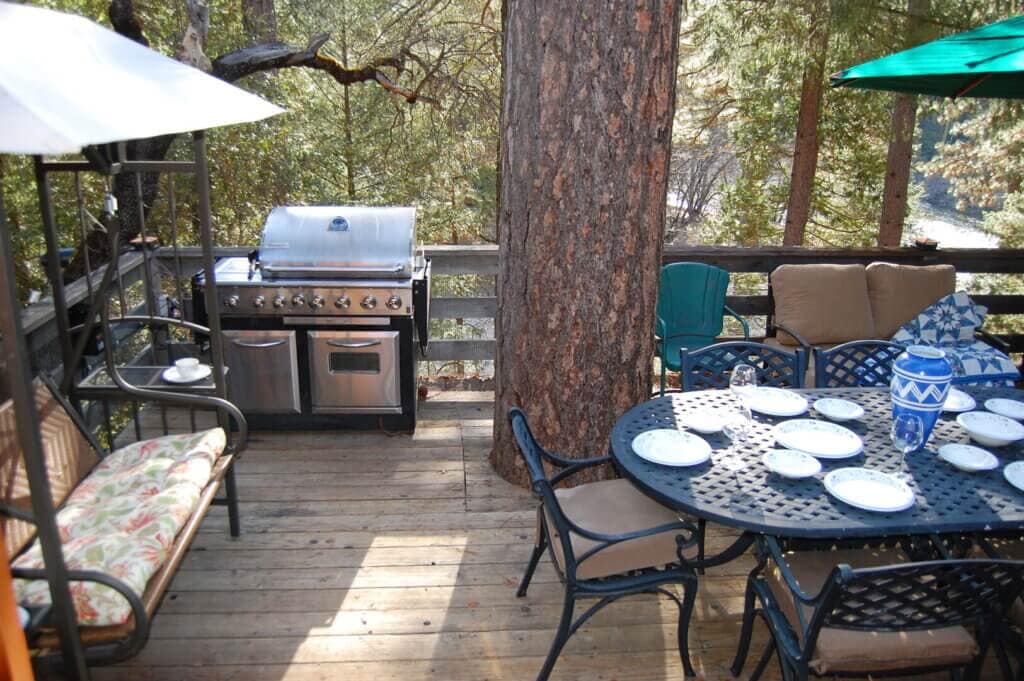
x=775, y=401
x=1011, y=409
x=1014, y=474
x=172, y=375
x=958, y=401
x=705, y=421
x=838, y=410
x=870, y=490
x=670, y=447
x=820, y=439
x=790, y=463
x=968, y=458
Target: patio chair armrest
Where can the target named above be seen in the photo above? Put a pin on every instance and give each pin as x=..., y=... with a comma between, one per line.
x=743, y=322
x=799, y=339
x=777, y=621
x=572, y=466
x=775, y=551
x=152, y=321
x=612, y=539
x=993, y=340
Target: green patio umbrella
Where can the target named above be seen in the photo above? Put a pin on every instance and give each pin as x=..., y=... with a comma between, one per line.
x=984, y=62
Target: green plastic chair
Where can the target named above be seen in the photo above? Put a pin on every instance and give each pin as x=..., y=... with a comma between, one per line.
x=691, y=304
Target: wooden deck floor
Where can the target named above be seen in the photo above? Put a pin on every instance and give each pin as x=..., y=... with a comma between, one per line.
x=395, y=558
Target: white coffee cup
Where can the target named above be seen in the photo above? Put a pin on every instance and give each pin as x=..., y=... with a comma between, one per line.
x=187, y=367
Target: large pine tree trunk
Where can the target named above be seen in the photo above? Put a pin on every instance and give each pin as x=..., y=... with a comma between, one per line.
x=588, y=97
x=805, y=147
x=901, y=145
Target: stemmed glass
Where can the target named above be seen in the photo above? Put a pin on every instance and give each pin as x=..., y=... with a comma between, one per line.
x=743, y=381
x=907, y=435
x=736, y=427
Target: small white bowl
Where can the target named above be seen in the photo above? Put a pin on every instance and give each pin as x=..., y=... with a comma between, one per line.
x=1011, y=409
x=705, y=421
x=835, y=409
x=790, y=463
x=991, y=430
x=968, y=458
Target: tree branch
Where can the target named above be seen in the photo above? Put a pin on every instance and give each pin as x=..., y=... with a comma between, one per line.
x=270, y=56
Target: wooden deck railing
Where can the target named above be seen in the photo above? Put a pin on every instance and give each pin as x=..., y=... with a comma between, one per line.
x=483, y=260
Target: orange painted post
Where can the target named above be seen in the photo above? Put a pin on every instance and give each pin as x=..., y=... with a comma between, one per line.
x=14, y=663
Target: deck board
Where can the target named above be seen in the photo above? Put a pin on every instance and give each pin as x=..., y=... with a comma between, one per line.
x=395, y=558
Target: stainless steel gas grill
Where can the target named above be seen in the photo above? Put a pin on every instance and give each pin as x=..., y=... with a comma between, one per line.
x=321, y=323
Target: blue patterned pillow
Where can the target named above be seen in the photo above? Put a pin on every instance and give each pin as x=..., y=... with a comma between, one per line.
x=950, y=320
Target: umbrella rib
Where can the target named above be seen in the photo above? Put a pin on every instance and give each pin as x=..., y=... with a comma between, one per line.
x=971, y=85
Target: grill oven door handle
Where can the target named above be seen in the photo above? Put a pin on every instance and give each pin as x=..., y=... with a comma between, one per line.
x=349, y=344
x=268, y=344
x=397, y=267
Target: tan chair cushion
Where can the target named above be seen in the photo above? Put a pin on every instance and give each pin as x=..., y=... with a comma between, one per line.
x=849, y=651
x=899, y=292
x=810, y=373
x=822, y=303
x=615, y=507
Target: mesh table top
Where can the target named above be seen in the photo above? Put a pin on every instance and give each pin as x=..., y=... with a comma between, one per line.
x=754, y=499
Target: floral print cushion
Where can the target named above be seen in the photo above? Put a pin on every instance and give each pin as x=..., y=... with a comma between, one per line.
x=123, y=518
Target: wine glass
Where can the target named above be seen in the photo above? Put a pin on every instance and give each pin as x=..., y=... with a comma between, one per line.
x=907, y=435
x=742, y=381
x=736, y=426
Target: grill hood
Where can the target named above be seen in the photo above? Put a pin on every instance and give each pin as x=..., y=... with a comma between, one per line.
x=312, y=242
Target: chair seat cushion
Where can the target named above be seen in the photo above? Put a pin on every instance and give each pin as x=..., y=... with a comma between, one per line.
x=899, y=292
x=850, y=651
x=822, y=303
x=615, y=507
x=122, y=520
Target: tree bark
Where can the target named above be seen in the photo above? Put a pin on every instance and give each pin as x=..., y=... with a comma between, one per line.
x=805, y=147
x=259, y=20
x=901, y=146
x=588, y=96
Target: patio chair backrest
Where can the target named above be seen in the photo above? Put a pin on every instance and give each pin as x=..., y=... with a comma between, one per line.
x=691, y=298
x=710, y=367
x=916, y=596
x=857, y=364
x=533, y=454
x=68, y=457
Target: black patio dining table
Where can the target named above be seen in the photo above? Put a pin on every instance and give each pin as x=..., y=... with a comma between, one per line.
x=760, y=502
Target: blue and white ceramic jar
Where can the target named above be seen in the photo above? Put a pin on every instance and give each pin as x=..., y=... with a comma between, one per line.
x=921, y=377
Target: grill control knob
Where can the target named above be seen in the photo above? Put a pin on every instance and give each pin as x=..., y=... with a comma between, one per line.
x=298, y=299
x=316, y=302
x=259, y=301
x=343, y=302
x=369, y=303
x=394, y=302
x=278, y=301
x=231, y=301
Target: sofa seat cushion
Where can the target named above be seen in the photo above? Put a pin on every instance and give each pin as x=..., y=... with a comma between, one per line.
x=822, y=303
x=856, y=652
x=123, y=518
x=898, y=292
x=615, y=507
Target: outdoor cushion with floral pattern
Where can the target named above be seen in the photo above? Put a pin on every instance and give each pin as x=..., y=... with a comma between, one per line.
x=122, y=520
x=950, y=324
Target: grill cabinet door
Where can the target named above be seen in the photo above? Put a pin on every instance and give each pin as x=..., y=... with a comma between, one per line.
x=263, y=371
x=354, y=372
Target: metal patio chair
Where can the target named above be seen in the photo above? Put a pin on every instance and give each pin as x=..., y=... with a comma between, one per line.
x=691, y=305
x=829, y=619
x=709, y=368
x=1011, y=636
x=606, y=539
x=857, y=364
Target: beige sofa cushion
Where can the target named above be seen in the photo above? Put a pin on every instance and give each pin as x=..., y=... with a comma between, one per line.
x=850, y=651
x=615, y=507
x=822, y=303
x=899, y=292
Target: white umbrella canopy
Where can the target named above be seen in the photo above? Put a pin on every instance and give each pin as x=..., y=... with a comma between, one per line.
x=66, y=83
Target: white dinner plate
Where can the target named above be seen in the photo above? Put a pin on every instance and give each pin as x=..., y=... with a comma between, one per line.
x=958, y=401
x=820, y=439
x=1011, y=409
x=775, y=401
x=968, y=458
x=869, y=490
x=172, y=375
x=705, y=421
x=1014, y=474
x=838, y=410
x=790, y=463
x=671, y=447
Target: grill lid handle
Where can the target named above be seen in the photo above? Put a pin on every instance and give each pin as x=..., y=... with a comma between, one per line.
x=268, y=344
x=349, y=344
